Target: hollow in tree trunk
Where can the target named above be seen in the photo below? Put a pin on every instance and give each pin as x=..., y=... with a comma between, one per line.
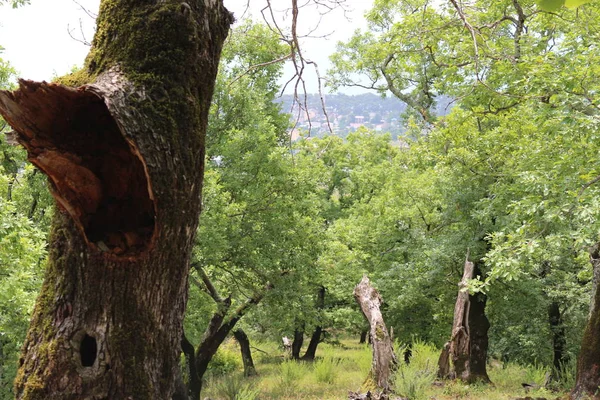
x=124, y=152
x=242, y=339
x=588, y=361
x=384, y=359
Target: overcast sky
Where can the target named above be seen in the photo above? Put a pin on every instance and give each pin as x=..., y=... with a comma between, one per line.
x=37, y=43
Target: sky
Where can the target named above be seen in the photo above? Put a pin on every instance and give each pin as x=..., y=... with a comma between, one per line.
x=44, y=39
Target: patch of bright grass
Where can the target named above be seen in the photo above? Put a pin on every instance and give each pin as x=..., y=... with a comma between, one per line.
x=344, y=367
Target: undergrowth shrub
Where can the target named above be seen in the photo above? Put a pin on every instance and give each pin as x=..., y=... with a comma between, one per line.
x=290, y=373
x=234, y=388
x=414, y=379
x=325, y=369
x=224, y=362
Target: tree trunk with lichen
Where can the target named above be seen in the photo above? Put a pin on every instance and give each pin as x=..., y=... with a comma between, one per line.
x=588, y=361
x=384, y=359
x=123, y=147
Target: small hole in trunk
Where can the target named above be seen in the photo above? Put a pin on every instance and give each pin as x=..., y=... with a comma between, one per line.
x=88, y=351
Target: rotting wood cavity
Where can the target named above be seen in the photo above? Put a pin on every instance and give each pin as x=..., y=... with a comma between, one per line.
x=95, y=174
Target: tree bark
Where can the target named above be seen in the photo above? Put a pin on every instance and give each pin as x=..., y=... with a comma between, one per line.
x=242, y=339
x=124, y=154
x=315, y=338
x=297, y=342
x=588, y=361
x=469, y=340
x=384, y=359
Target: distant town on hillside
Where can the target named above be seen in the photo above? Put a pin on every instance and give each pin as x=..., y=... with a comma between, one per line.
x=347, y=113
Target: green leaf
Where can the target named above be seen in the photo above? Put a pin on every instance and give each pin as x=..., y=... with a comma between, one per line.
x=575, y=3
x=551, y=5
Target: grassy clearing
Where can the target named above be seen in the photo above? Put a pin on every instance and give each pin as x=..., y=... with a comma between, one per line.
x=344, y=367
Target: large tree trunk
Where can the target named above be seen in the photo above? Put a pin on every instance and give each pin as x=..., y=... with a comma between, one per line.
x=588, y=361
x=469, y=340
x=242, y=339
x=384, y=359
x=315, y=339
x=124, y=154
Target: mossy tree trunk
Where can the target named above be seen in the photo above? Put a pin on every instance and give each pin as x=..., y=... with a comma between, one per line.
x=588, y=361
x=123, y=148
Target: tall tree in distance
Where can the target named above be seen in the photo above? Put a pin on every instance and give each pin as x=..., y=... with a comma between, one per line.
x=123, y=147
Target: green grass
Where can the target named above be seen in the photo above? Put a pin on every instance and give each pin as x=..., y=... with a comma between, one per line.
x=339, y=369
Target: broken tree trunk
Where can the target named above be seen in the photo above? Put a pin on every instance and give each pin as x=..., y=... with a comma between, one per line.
x=244, y=342
x=123, y=148
x=469, y=342
x=460, y=339
x=588, y=361
x=384, y=359
x=444, y=363
x=479, y=327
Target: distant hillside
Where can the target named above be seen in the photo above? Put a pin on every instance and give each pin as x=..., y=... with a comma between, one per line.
x=347, y=113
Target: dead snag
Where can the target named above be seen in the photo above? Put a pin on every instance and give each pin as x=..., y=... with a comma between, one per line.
x=459, y=342
x=468, y=343
x=384, y=359
x=444, y=363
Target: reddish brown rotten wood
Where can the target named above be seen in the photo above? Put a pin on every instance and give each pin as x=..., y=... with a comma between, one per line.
x=96, y=175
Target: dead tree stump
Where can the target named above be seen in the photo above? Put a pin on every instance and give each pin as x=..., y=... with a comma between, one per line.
x=467, y=347
x=384, y=359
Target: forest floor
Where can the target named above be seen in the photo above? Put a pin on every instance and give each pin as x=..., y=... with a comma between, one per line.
x=343, y=367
